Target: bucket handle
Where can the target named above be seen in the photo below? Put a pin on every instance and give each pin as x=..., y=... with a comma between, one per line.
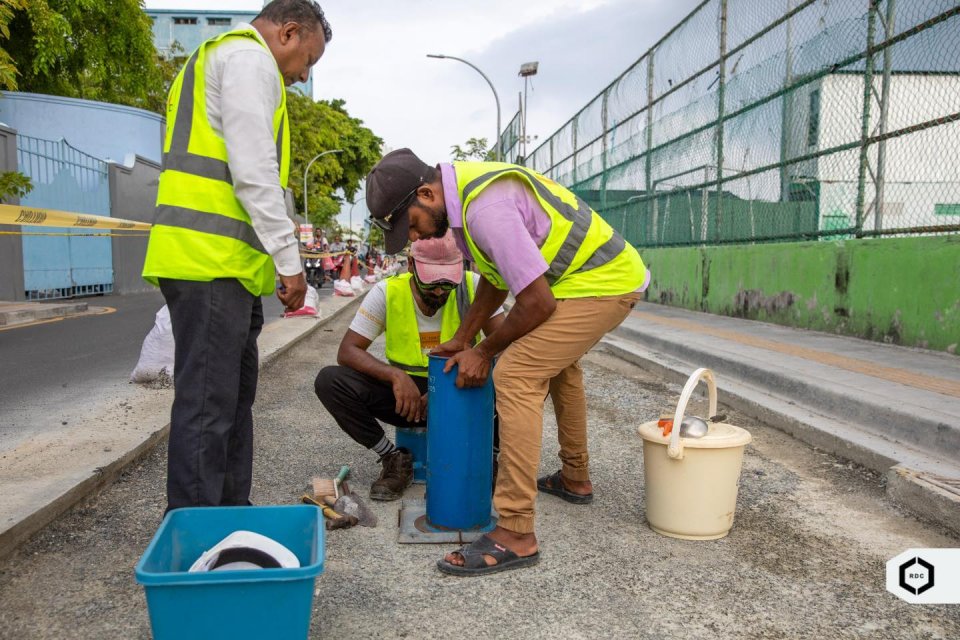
x=675, y=448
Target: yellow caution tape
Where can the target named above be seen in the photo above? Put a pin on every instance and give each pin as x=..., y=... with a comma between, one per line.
x=312, y=254
x=17, y=214
x=75, y=235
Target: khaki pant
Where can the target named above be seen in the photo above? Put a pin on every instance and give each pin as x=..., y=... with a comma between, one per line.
x=547, y=360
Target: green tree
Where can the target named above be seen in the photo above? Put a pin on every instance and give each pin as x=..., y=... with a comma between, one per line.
x=93, y=49
x=8, y=70
x=14, y=184
x=474, y=149
x=317, y=126
x=375, y=237
x=11, y=183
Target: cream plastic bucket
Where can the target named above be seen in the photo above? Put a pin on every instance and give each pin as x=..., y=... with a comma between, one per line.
x=691, y=483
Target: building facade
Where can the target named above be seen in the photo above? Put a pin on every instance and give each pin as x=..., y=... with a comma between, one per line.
x=178, y=32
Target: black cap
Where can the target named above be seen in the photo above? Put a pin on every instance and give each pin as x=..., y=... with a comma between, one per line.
x=389, y=184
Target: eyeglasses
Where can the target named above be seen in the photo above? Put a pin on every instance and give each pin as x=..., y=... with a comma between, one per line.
x=384, y=222
x=429, y=286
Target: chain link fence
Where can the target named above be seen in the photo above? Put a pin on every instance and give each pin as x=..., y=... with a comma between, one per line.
x=509, y=141
x=767, y=120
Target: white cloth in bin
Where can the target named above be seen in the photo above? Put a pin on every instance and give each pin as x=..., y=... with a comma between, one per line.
x=243, y=550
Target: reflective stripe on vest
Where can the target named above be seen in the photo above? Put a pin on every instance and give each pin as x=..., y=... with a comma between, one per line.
x=472, y=178
x=403, y=347
x=201, y=230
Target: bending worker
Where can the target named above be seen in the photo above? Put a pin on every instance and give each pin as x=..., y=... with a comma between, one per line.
x=221, y=227
x=417, y=310
x=574, y=280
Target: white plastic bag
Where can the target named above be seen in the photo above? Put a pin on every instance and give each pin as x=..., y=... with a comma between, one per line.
x=356, y=283
x=310, y=305
x=342, y=288
x=156, y=354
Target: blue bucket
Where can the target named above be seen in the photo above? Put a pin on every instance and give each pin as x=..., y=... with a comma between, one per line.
x=415, y=441
x=258, y=603
x=459, y=450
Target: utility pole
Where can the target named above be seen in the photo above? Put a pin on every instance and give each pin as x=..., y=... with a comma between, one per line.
x=527, y=70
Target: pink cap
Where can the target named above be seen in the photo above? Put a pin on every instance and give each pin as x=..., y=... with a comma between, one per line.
x=437, y=259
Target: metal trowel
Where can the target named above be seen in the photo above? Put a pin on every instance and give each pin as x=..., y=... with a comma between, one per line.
x=350, y=504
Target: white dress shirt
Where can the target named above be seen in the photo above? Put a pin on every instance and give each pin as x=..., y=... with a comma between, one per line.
x=243, y=92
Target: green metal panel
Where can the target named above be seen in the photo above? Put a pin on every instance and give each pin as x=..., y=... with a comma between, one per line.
x=899, y=290
x=906, y=290
x=676, y=276
x=788, y=283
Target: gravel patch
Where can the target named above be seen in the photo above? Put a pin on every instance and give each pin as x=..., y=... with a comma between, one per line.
x=805, y=558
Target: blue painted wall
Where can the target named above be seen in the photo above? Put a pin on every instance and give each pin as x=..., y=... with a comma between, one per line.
x=106, y=131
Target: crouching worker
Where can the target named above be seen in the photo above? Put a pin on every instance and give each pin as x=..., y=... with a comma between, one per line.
x=417, y=310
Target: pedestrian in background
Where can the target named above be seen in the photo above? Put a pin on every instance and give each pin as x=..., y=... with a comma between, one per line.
x=222, y=234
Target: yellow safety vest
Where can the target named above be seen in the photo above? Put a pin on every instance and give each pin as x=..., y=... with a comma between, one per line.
x=585, y=257
x=403, y=348
x=201, y=231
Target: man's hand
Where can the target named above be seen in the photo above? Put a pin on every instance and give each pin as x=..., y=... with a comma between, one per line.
x=292, y=291
x=423, y=407
x=410, y=404
x=453, y=345
x=473, y=367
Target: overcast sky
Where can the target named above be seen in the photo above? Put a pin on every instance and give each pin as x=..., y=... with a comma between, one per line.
x=377, y=61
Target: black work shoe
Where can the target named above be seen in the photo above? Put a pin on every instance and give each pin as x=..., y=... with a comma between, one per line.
x=396, y=475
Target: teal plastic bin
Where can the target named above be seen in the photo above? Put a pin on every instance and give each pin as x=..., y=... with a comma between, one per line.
x=259, y=603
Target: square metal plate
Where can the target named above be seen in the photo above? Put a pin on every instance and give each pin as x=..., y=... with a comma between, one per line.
x=414, y=528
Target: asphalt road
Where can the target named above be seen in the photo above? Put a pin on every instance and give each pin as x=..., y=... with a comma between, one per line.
x=805, y=558
x=53, y=371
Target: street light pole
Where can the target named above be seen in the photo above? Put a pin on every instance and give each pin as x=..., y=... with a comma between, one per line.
x=352, y=205
x=309, y=164
x=527, y=69
x=496, y=138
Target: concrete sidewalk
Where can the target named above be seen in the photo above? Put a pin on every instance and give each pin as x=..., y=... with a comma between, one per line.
x=892, y=409
x=42, y=477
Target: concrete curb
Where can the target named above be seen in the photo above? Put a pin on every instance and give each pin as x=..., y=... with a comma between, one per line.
x=276, y=340
x=914, y=422
x=16, y=313
x=913, y=480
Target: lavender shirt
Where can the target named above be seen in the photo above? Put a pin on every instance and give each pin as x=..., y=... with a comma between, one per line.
x=506, y=222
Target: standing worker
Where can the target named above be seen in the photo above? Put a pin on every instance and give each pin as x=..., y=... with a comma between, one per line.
x=574, y=280
x=417, y=311
x=221, y=227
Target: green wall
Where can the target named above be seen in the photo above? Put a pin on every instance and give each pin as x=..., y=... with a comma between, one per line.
x=899, y=290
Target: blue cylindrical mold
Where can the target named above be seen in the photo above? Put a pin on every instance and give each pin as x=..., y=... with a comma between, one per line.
x=459, y=450
x=415, y=441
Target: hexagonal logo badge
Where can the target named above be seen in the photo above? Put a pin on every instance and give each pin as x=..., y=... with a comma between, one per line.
x=925, y=576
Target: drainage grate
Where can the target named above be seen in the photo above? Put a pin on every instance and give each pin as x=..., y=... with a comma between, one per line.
x=76, y=291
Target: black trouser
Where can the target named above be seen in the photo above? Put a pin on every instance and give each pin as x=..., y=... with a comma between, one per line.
x=215, y=329
x=356, y=401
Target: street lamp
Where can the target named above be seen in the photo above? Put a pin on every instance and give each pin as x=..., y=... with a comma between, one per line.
x=496, y=138
x=352, y=205
x=309, y=164
x=527, y=69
